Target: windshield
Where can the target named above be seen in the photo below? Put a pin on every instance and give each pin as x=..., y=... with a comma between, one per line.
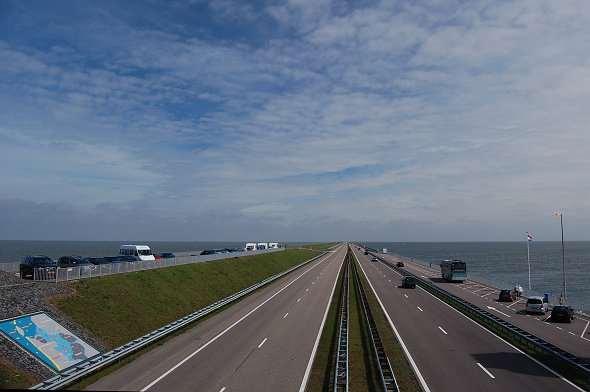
x=535, y=301
x=144, y=252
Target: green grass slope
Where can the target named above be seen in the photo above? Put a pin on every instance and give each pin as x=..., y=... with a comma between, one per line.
x=120, y=308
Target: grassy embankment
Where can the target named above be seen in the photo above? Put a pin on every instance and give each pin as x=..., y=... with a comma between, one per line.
x=322, y=246
x=11, y=378
x=119, y=308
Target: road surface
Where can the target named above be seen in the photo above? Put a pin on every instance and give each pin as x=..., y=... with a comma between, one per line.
x=452, y=352
x=263, y=343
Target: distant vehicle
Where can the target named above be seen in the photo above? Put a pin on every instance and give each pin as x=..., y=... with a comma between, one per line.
x=262, y=246
x=208, y=252
x=562, y=314
x=273, y=245
x=366, y=252
x=142, y=251
x=167, y=255
x=97, y=260
x=374, y=259
x=30, y=263
x=408, y=282
x=71, y=261
x=384, y=250
x=250, y=246
x=536, y=305
x=400, y=264
x=506, y=296
x=453, y=270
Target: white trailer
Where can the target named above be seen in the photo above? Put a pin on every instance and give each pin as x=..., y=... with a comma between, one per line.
x=262, y=246
x=273, y=245
x=250, y=246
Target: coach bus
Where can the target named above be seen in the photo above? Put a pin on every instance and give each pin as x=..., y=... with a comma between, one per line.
x=453, y=270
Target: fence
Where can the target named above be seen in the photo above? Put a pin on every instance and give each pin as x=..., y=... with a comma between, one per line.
x=91, y=271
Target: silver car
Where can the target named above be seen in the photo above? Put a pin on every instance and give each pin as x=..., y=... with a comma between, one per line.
x=536, y=305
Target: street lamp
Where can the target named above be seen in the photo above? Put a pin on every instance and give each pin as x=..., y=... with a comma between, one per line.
x=563, y=298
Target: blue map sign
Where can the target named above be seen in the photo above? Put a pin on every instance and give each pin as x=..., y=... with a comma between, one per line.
x=46, y=340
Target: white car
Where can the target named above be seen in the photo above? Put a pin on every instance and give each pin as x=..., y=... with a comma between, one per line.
x=536, y=305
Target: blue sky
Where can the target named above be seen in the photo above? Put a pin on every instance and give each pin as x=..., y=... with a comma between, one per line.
x=298, y=120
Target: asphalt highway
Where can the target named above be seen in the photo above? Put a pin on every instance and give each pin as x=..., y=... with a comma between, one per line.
x=451, y=352
x=572, y=337
x=265, y=342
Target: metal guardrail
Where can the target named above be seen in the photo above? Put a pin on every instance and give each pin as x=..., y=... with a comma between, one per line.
x=94, y=364
x=546, y=352
x=341, y=363
x=63, y=274
x=388, y=381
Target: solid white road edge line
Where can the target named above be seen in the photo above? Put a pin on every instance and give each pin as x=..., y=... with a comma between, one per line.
x=220, y=334
x=485, y=370
x=491, y=333
x=397, y=335
x=509, y=344
x=318, y=337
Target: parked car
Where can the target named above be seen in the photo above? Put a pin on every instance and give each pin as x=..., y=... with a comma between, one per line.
x=374, y=259
x=167, y=255
x=400, y=264
x=408, y=282
x=536, y=305
x=121, y=259
x=562, y=314
x=506, y=296
x=97, y=260
x=30, y=263
x=71, y=261
x=366, y=253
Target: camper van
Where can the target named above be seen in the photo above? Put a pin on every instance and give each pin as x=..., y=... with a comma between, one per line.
x=262, y=246
x=142, y=251
x=273, y=245
x=250, y=246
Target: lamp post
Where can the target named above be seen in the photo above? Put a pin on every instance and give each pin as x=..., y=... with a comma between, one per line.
x=563, y=298
x=529, y=238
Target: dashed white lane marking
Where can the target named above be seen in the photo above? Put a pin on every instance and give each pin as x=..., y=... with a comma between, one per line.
x=419, y=308
x=485, y=295
x=262, y=343
x=571, y=333
x=298, y=299
x=406, y=295
x=485, y=288
x=443, y=331
x=559, y=328
x=585, y=329
x=389, y=280
x=220, y=334
x=422, y=276
x=222, y=389
x=286, y=314
x=306, y=289
x=485, y=370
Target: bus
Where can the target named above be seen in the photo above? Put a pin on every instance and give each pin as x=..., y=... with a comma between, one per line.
x=453, y=270
x=143, y=252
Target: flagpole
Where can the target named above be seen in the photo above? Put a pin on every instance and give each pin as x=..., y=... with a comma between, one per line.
x=528, y=258
x=563, y=259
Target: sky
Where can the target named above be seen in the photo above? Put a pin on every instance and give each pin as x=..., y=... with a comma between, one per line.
x=297, y=120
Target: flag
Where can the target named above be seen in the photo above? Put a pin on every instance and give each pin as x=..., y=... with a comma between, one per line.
x=529, y=236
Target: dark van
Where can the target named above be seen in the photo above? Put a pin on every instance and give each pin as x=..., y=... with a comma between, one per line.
x=30, y=263
x=408, y=282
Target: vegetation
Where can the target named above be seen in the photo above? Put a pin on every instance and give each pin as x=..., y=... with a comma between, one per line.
x=322, y=246
x=140, y=302
x=11, y=378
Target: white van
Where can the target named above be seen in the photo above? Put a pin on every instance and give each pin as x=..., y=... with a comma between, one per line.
x=262, y=246
x=250, y=246
x=142, y=251
x=536, y=305
x=273, y=245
